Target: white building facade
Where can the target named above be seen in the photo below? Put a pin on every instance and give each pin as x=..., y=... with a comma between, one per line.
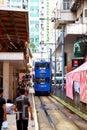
x=72, y=15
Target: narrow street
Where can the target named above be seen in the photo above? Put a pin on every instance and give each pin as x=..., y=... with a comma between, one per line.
x=43, y=49
x=53, y=115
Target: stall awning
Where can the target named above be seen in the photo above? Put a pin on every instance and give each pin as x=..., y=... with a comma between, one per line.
x=78, y=75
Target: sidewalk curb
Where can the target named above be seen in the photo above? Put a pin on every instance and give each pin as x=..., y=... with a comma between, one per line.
x=34, y=109
x=76, y=111
x=35, y=114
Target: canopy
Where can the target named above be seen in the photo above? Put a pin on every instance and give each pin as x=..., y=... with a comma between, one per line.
x=79, y=75
x=14, y=29
x=79, y=69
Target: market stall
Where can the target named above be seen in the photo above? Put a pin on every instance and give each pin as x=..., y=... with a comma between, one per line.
x=76, y=80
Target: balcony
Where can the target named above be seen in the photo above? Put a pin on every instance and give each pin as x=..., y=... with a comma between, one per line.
x=15, y=58
x=63, y=14
x=72, y=31
x=64, y=17
x=76, y=29
x=14, y=36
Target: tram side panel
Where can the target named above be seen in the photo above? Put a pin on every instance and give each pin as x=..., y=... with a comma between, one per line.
x=42, y=78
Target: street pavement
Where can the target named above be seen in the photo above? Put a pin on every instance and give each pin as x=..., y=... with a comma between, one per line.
x=12, y=119
x=12, y=122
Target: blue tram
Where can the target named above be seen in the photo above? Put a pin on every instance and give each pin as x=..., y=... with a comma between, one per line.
x=42, y=78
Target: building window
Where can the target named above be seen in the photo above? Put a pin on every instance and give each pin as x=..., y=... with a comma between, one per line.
x=36, y=39
x=32, y=39
x=66, y=4
x=36, y=25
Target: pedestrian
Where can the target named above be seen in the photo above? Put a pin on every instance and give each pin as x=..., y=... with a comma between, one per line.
x=9, y=106
x=27, y=90
x=21, y=106
x=3, y=115
x=17, y=92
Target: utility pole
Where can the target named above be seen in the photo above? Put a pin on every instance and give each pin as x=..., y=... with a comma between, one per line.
x=63, y=58
x=42, y=43
x=55, y=58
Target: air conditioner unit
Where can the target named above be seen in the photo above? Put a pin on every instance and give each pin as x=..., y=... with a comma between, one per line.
x=85, y=15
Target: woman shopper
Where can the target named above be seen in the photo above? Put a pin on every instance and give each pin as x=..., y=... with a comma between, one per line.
x=21, y=107
x=3, y=115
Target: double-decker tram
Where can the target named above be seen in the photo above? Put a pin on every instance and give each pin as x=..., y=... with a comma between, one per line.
x=42, y=78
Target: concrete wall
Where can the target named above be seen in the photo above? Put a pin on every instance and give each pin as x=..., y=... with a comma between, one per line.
x=69, y=41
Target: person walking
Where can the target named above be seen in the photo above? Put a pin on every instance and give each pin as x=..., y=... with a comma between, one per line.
x=21, y=106
x=3, y=115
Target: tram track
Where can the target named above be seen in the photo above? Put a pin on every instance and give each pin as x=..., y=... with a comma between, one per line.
x=51, y=99
x=54, y=115
x=48, y=115
x=77, y=120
